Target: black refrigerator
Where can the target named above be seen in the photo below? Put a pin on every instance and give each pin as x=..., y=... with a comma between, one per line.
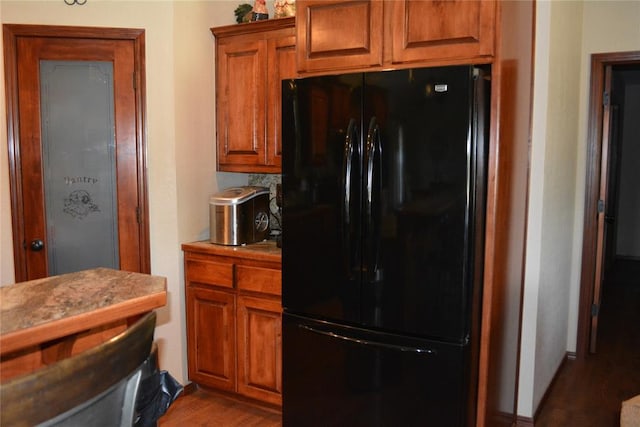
x=383, y=201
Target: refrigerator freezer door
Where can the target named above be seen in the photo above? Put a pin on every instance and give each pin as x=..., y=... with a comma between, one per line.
x=419, y=202
x=349, y=377
x=321, y=183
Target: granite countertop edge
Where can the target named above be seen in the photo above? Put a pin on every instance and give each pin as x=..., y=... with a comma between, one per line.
x=35, y=303
x=266, y=250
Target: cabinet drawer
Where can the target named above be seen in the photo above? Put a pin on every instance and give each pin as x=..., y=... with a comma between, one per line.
x=209, y=272
x=265, y=280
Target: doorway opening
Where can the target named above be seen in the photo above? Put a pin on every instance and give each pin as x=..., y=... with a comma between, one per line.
x=611, y=230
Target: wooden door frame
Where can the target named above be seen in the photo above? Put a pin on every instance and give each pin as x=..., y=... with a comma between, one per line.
x=11, y=33
x=594, y=157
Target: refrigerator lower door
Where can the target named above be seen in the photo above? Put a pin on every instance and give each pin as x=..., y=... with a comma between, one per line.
x=342, y=376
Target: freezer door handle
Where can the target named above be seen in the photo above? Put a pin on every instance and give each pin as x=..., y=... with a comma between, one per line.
x=421, y=350
x=373, y=163
x=347, y=172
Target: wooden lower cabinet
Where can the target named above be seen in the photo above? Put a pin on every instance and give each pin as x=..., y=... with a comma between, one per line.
x=259, y=335
x=234, y=319
x=211, y=335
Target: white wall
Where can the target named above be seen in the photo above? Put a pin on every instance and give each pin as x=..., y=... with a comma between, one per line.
x=567, y=33
x=552, y=182
x=180, y=133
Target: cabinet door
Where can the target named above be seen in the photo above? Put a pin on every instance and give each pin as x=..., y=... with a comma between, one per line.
x=211, y=337
x=260, y=349
x=281, y=64
x=241, y=97
x=453, y=29
x=337, y=35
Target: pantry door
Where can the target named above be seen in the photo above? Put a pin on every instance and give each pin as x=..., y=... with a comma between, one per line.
x=76, y=149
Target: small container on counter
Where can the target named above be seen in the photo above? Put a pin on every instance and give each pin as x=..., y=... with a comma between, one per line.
x=239, y=215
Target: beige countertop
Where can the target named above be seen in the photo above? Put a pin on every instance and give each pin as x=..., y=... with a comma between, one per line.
x=46, y=309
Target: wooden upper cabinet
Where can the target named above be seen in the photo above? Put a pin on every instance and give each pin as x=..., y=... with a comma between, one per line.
x=281, y=60
x=251, y=59
x=442, y=29
x=241, y=94
x=336, y=35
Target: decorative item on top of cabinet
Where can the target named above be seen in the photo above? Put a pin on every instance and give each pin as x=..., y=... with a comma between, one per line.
x=259, y=11
x=361, y=34
x=234, y=318
x=251, y=61
x=243, y=13
x=284, y=8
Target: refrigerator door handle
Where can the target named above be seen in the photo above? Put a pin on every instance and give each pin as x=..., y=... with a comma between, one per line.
x=347, y=166
x=421, y=350
x=372, y=200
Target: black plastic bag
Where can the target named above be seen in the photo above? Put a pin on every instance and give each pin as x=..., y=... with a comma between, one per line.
x=158, y=390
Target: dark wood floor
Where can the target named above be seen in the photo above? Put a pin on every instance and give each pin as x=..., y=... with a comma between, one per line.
x=589, y=393
x=585, y=394
x=207, y=408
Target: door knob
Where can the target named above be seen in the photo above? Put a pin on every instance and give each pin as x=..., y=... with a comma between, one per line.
x=37, y=245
